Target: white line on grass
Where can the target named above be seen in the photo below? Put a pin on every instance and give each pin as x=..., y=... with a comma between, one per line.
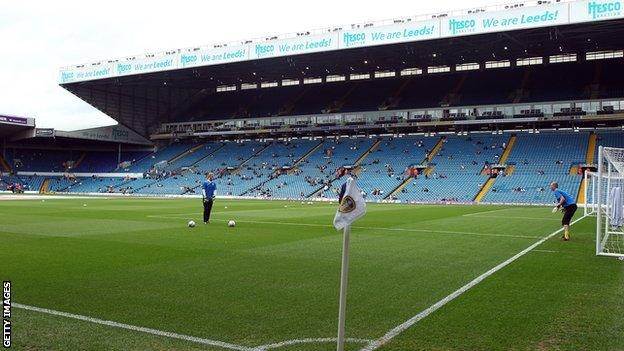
x=513, y=217
x=194, y=339
x=482, y=212
x=369, y=228
x=308, y=341
x=410, y=322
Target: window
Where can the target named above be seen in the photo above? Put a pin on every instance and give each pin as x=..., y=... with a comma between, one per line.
x=438, y=69
x=268, y=84
x=562, y=58
x=358, y=76
x=529, y=61
x=497, y=64
x=247, y=86
x=222, y=88
x=335, y=78
x=289, y=82
x=312, y=80
x=601, y=55
x=467, y=67
x=411, y=71
x=383, y=74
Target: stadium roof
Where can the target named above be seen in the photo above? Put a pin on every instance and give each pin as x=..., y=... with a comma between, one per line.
x=12, y=125
x=143, y=101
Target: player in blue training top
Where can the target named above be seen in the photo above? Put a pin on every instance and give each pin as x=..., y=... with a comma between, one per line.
x=209, y=189
x=567, y=206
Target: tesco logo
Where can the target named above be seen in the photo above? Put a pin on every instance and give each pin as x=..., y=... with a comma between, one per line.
x=353, y=38
x=462, y=26
x=605, y=9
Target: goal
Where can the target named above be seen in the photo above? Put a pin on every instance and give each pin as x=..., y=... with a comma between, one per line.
x=605, y=191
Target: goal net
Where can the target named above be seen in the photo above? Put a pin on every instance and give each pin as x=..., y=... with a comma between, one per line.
x=606, y=191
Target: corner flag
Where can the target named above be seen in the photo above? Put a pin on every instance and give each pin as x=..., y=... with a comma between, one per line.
x=352, y=206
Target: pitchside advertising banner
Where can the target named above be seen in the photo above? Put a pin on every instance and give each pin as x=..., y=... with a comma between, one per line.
x=445, y=27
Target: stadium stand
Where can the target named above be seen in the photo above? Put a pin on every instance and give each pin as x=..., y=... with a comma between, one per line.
x=539, y=159
x=302, y=168
x=524, y=84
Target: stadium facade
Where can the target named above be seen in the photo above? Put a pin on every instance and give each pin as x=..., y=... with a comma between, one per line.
x=482, y=105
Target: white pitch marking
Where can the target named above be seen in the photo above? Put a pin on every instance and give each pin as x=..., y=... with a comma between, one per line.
x=370, y=228
x=547, y=251
x=482, y=212
x=194, y=339
x=512, y=217
x=308, y=341
x=410, y=322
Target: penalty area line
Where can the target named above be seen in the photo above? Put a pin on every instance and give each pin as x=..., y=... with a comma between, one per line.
x=394, y=332
x=166, y=334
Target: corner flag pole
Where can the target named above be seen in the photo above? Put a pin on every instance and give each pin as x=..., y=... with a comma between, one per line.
x=344, y=275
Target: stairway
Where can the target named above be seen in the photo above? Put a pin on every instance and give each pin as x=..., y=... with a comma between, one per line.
x=357, y=163
x=399, y=187
x=501, y=160
x=436, y=149
x=367, y=152
x=209, y=154
x=254, y=155
x=484, y=189
x=185, y=153
x=394, y=99
x=522, y=93
x=510, y=144
x=80, y=159
x=307, y=154
x=580, y=197
x=5, y=165
x=589, y=159
x=45, y=186
x=591, y=148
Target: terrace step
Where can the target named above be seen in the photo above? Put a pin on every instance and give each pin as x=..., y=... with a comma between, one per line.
x=185, y=153
x=399, y=187
x=484, y=189
x=367, y=152
x=208, y=155
x=80, y=159
x=5, y=165
x=591, y=148
x=356, y=164
x=510, y=144
x=307, y=154
x=45, y=186
x=436, y=149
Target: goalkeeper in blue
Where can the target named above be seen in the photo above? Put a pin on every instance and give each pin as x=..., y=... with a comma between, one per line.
x=567, y=205
x=209, y=189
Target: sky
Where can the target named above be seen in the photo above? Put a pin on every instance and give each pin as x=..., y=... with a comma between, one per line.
x=39, y=37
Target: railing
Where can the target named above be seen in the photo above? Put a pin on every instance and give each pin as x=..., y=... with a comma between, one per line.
x=476, y=113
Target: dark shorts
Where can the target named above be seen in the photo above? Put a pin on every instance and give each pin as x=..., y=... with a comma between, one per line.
x=568, y=214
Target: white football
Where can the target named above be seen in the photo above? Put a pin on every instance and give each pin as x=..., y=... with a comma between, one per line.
x=231, y=223
x=191, y=224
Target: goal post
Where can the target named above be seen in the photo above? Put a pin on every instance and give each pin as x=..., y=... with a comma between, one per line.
x=590, y=179
x=608, y=203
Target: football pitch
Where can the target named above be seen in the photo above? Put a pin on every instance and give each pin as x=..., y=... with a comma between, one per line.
x=128, y=274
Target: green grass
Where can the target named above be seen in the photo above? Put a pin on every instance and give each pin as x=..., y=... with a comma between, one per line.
x=275, y=277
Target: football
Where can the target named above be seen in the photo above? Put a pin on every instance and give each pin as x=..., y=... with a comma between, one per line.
x=231, y=223
x=191, y=224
